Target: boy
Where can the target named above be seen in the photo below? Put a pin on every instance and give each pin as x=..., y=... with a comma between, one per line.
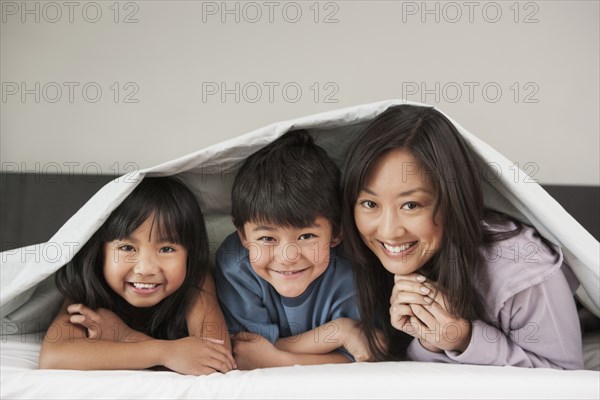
x=285, y=288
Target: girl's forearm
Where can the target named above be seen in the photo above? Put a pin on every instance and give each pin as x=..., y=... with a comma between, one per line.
x=85, y=354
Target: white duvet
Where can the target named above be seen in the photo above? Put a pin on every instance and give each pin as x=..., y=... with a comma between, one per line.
x=28, y=297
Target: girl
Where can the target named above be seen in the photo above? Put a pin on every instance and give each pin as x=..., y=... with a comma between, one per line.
x=468, y=284
x=138, y=294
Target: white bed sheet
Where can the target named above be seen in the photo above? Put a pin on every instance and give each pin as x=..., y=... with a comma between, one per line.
x=21, y=378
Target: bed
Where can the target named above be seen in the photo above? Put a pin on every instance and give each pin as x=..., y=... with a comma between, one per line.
x=29, y=299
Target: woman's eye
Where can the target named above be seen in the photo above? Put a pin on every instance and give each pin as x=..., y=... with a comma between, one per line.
x=307, y=236
x=411, y=205
x=368, y=204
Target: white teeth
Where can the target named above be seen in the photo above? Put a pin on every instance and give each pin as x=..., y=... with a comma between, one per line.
x=290, y=272
x=144, y=285
x=398, y=249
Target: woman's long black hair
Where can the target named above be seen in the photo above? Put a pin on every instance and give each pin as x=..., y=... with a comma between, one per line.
x=177, y=217
x=441, y=151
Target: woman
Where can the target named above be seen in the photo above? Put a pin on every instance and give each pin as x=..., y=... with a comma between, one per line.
x=469, y=285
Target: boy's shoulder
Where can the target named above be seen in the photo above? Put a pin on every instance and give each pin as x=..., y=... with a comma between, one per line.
x=339, y=265
x=338, y=255
x=231, y=251
x=230, y=241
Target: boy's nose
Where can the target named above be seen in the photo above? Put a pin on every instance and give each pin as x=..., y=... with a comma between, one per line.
x=288, y=253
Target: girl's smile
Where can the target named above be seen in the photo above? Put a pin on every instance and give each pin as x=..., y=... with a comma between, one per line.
x=144, y=288
x=144, y=269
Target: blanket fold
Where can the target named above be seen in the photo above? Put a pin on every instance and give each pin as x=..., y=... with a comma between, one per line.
x=28, y=298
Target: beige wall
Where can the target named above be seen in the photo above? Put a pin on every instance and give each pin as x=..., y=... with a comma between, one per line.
x=107, y=87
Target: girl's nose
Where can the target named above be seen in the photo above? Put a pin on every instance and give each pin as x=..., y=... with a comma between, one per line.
x=146, y=264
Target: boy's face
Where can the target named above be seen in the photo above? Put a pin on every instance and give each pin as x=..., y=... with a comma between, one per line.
x=289, y=258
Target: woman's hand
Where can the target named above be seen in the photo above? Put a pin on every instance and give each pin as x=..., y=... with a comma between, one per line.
x=420, y=309
x=103, y=324
x=193, y=355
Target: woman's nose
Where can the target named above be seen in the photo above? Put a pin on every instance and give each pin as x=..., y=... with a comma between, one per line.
x=391, y=225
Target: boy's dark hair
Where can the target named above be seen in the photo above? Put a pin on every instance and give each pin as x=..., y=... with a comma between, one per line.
x=289, y=183
x=177, y=217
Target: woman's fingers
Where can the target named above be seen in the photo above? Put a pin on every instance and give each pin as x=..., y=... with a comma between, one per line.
x=402, y=297
x=428, y=290
x=424, y=315
x=412, y=283
x=441, y=299
x=401, y=309
x=414, y=277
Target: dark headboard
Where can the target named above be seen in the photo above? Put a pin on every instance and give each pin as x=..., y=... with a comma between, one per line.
x=34, y=206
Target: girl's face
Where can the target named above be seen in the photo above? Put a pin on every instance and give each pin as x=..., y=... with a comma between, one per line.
x=394, y=213
x=144, y=269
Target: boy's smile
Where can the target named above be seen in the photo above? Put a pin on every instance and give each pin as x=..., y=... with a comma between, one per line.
x=289, y=258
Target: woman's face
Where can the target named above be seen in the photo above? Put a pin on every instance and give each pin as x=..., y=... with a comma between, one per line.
x=394, y=213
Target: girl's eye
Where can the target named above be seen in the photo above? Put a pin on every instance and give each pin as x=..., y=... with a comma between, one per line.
x=126, y=247
x=411, y=205
x=167, y=249
x=307, y=236
x=368, y=204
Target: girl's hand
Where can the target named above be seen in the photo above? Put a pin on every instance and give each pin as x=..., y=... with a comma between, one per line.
x=193, y=355
x=251, y=351
x=102, y=324
x=420, y=309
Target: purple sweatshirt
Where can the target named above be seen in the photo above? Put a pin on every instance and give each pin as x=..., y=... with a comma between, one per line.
x=529, y=301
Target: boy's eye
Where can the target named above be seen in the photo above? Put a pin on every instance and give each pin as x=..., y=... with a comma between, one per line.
x=266, y=239
x=307, y=236
x=411, y=205
x=368, y=204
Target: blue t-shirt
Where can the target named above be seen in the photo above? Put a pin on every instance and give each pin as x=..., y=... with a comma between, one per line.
x=251, y=304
